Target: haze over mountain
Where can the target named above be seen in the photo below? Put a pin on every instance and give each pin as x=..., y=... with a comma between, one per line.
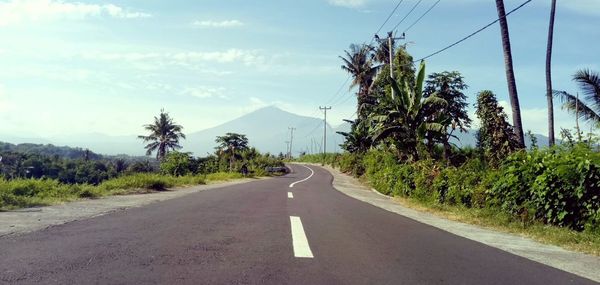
x=266, y=129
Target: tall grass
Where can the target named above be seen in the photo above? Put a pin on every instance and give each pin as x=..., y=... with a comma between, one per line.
x=20, y=193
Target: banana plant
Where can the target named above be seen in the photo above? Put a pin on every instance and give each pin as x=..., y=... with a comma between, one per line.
x=407, y=118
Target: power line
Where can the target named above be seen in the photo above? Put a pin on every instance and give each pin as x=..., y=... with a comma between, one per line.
x=474, y=33
x=407, y=14
x=419, y=19
x=339, y=90
x=389, y=17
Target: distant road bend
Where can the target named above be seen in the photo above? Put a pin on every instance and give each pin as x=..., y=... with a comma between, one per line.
x=295, y=229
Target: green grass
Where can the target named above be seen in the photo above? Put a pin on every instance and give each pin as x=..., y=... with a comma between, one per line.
x=21, y=193
x=586, y=242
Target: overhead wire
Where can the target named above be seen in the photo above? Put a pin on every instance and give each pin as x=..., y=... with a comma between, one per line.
x=473, y=34
x=407, y=14
x=422, y=16
x=335, y=96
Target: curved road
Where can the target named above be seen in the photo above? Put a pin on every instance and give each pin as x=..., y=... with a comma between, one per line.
x=256, y=233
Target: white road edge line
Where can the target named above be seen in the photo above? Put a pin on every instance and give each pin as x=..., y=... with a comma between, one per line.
x=299, y=240
x=311, y=175
x=290, y=195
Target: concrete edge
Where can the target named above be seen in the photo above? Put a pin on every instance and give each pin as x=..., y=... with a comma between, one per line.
x=23, y=221
x=580, y=264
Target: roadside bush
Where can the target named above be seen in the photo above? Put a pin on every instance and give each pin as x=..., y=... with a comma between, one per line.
x=178, y=164
x=139, y=181
x=559, y=186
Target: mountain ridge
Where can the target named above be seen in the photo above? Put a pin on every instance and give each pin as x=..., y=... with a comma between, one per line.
x=266, y=129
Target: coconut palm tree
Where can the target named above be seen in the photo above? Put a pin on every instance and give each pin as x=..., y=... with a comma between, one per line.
x=359, y=63
x=588, y=108
x=164, y=135
x=549, y=75
x=407, y=117
x=510, y=74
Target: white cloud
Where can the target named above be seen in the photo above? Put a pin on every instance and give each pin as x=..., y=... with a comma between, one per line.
x=348, y=3
x=27, y=11
x=218, y=24
x=246, y=57
x=204, y=92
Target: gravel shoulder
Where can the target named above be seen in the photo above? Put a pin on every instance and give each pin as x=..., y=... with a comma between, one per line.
x=32, y=219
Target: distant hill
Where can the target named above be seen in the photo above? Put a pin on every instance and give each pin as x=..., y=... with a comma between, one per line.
x=48, y=150
x=469, y=139
x=267, y=130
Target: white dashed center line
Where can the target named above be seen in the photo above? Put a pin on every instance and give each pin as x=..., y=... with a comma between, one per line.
x=290, y=195
x=299, y=240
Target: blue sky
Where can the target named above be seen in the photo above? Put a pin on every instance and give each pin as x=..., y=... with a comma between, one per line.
x=71, y=67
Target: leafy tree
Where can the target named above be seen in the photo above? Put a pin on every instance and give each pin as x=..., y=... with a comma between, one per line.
x=510, y=74
x=178, y=164
x=406, y=117
x=449, y=86
x=230, y=146
x=496, y=137
x=141, y=167
x=164, y=135
x=359, y=64
x=229, y=141
x=589, y=107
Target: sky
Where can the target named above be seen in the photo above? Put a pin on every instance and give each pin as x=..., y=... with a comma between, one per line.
x=75, y=67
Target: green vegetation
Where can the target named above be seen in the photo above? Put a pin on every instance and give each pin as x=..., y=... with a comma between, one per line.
x=164, y=135
x=552, y=195
x=33, y=179
x=400, y=144
x=19, y=193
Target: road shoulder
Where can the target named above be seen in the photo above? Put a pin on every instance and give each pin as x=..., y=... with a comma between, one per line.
x=573, y=262
x=32, y=219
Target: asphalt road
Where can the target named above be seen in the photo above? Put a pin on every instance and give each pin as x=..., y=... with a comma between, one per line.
x=255, y=234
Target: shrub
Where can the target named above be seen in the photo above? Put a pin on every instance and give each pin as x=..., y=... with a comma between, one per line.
x=139, y=181
x=178, y=164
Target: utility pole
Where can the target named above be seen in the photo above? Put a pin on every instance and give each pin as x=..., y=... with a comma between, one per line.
x=390, y=40
x=292, y=129
x=325, y=129
x=287, y=149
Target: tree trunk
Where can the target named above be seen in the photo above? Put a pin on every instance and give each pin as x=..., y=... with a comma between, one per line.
x=551, y=140
x=510, y=74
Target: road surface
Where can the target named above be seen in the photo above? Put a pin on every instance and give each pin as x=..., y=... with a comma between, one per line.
x=262, y=232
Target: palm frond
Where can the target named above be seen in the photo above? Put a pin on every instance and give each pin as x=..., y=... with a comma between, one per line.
x=572, y=104
x=589, y=82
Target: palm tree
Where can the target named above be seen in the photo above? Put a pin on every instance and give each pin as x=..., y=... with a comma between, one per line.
x=358, y=62
x=164, y=135
x=232, y=145
x=510, y=74
x=407, y=117
x=589, y=108
x=549, y=75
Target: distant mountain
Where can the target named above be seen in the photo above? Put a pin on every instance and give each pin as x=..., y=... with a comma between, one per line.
x=267, y=130
x=469, y=139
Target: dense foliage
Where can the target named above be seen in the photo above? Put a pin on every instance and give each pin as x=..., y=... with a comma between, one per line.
x=558, y=186
x=31, y=178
